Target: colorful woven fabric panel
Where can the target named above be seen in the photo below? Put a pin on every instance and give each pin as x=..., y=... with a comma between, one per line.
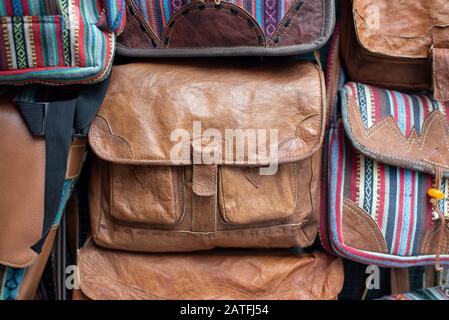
x=409, y=111
x=58, y=41
x=379, y=214
x=115, y=13
x=29, y=7
x=268, y=13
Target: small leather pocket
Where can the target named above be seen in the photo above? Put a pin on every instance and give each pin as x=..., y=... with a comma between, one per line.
x=147, y=194
x=246, y=197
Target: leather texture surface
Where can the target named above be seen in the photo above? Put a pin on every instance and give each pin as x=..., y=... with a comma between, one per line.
x=402, y=29
x=22, y=169
x=285, y=96
x=441, y=73
x=397, y=42
x=233, y=275
x=363, y=66
x=215, y=28
x=141, y=200
x=33, y=274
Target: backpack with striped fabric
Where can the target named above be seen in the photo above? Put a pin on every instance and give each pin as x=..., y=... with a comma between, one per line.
x=58, y=42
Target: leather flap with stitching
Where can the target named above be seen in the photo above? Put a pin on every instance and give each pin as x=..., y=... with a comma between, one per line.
x=154, y=113
x=226, y=28
x=408, y=131
x=403, y=29
x=119, y=275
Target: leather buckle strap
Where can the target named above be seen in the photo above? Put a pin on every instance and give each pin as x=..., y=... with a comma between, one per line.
x=440, y=62
x=204, y=198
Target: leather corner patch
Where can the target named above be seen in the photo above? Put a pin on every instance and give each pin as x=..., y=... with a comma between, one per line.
x=105, y=143
x=430, y=243
x=360, y=231
x=302, y=24
x=137, y=33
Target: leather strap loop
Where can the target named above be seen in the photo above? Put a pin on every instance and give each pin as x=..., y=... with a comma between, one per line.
x=204, y=198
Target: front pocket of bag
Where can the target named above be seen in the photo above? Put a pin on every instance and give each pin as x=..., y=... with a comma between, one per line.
x=28, y=42
x=246, y=197
x=147, y=195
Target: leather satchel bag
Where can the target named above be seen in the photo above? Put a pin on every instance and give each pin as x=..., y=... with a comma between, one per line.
x=227, y=275
x=152, y=186
x=43, y=142
x=58, y=42
x=387, y=179
x=400, y=45
x=226, y=28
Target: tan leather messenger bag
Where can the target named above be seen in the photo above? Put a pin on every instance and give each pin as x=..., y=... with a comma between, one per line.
x=192, y=157
x=402, y=45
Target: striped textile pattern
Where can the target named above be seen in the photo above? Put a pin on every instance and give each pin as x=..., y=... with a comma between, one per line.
x=115, y=11
x=394, y=198
x=29, y=8
x=267, y=13
x=422, y=294
x=409, y=111
x=57, y=41
x=11, y=283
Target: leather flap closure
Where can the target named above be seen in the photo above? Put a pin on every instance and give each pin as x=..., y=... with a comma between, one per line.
x=110, y=274
x=399, y=28
x=408, y=131
x=221, y=113
x=223, y=28
x=204, y=182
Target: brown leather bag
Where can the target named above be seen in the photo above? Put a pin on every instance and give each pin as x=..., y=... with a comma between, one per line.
x=402, y=45
x=141, y=199
x=228, y=275
x=22, y=190
x=226, y=28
